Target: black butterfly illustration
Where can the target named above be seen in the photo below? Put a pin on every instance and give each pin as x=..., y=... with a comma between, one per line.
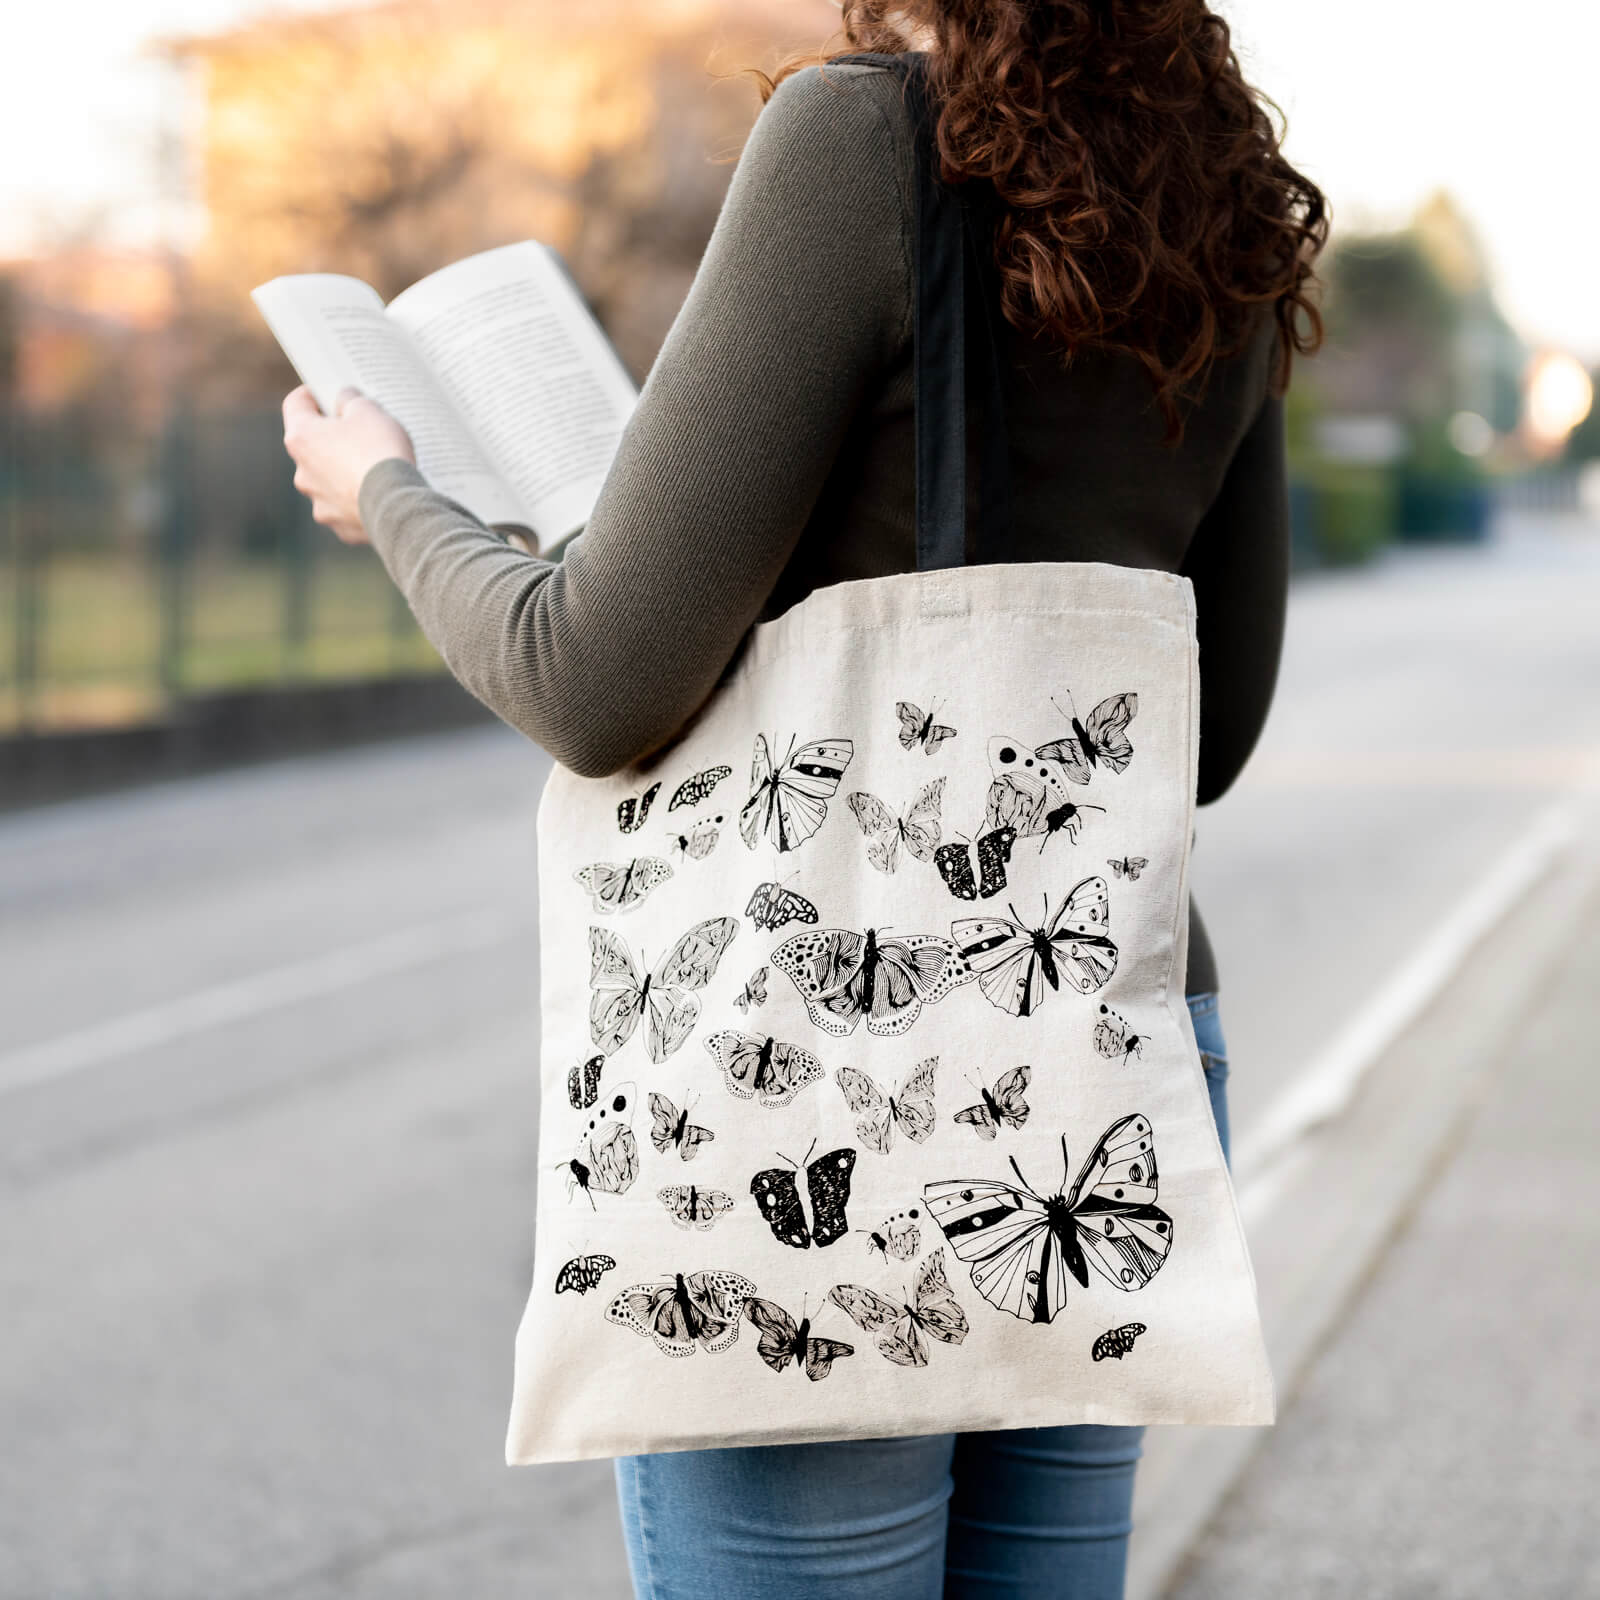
x=844, y=976
x=917, y=830
x=691, y=1207
x=684, y=1311
x=672, y=1130
x=693, y=790
x=632, y=811
x=583, y=1273
x=700, y=840
x=784, y=1340
x=917, y=728
x=954, y=861
x=1114, y=1039
x=877, y=1113
x=828, y=1186
x=1021, y=1246
x=619, y=887
x=789, y=799
x=899, y=1326
x=772, y=907
x=754, y=992
x=583, y=1082
x=898, y=1236
x=607, y=1158
x=664, y=996
x=1000, y=1107
x=1129, y=867
x=1018, y=966
x=1117, y=1342
x=756, y=1068
x=1101, y=742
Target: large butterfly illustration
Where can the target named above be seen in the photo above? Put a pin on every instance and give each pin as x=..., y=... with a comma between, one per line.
x=693, y=790
x=844, y=976
x=664, y=996
x=772, y=907
x=1101, y=742
x=899, y=1326
x=1018, y=966
x=917, y=830
x=607, y=1157
x=1000, y=1107
x=756, y=1068
x=583, y=1273
x=681, y=1312
x=784, y=1340
x=918, y=727
x=671, y=1129
x=877, y=1113
x=692, y=1207
x=954, y=861
x=632, y=811
x=621, y=886
x=1029, y=793
x=1020, y=1246
x=789, y=799
x=828, y=1187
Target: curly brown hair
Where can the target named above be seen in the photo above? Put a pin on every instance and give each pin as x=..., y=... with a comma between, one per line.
x=1146, y=205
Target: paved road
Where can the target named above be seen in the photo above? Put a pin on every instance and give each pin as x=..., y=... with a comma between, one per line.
x=267, y=1102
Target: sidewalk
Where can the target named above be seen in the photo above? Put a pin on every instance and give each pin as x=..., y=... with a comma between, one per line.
x=1445, y=1443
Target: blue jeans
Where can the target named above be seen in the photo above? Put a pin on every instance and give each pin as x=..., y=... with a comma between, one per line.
x=1030, y=1514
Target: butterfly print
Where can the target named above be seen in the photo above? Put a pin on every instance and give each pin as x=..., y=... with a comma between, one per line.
x=828, y=1186
x=772, y=907
x=632, y=812
x=1128, y=867
x=607, y=1158
x=700, y=840
x=1114, y=1039
x=664, y=996
x=899, y=1236
x=954, y=861
x=899, y=1328
x=917, y=728
x=672, y=1129
x=1101, y=742
x=1117, y=1342
x=583, y=1273
x=1029, y=793
x=583, y=1082
x=784, y=1340
x=693, y=790
x=844, y=976
x=622, y=887
x=877, y=1113
x=917, y=830
x=754, y=992
x=755, y=1068
x=683, y=1312
x=695, y=1208
x=789, y=799
x=1020, y=1246
x=1000, y=1107
x=1018, y=966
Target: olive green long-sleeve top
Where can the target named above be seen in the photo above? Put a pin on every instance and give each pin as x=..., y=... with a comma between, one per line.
x=770, y=454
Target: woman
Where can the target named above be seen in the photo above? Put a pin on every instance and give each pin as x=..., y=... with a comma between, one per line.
x=1153, y=252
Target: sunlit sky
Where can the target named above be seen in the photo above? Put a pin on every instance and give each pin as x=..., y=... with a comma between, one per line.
x=1386, y=99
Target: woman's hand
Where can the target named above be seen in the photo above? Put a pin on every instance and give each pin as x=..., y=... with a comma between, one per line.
x=333, y=454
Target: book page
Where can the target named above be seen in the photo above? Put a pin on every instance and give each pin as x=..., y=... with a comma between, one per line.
x=334, y=330
x=511, y=341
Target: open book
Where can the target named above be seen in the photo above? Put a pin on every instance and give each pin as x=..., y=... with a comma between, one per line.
x=512, y=395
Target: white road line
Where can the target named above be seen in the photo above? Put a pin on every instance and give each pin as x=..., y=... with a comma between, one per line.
x=56, y=1058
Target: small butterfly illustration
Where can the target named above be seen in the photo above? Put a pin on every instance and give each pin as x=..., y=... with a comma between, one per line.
x=954, y=861
x=1018, y=966
x=1114, y=1039
x=1000, y=1107
x=902, y=1328
x=693, y=790
x=672, y=1130
x=897, y=1236
x=877, y=1113
x=1100, y=742
x=761, y=1068
x=844, y=976
x=583, y=1082
x=685, y=1312
x=695, y=1208
x=917, y=830
x=828, y=1188
x=664, y=996
x=1128, y=867
x=583, y=1273
x=789, y=798
x=773, y=907
x=1117, y=1342
x=620, y=887
x=754, y=992
x=632, y=811
x=700, y=840
x=607, y=1157
x=784, y=1340
x=1029, y=793
x=917, y=728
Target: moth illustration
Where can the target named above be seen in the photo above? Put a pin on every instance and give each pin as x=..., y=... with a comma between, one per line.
x=901, y=1329
x=664, y=996
x=773, y=907
x=621, y=886
x=844, y=976
x=828, y=1188
x=877, y=1113
x=700, y=840
x=683, y=1312
x=691, y=1207
x=754, y=992
x=784, y=1340
x=583, y=1273
x=917, y=830
x=1102, y=741
x=1114, y=1039
x=1029, y=794
x=672, y=1130
x=789, y=798
x=954, y=861
x=607, y=1157
x=632, y=811
x=1021, y=1246
x=917, y=728
x=762, y=1068
x=1128, y=867
x=1117, y=1342
x=583, y=1082
x=1000, y=1107
x=1018, y=966
x=898, y=1236
x=693, y=790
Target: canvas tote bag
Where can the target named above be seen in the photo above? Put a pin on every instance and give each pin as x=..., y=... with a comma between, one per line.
x=870, y=1100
